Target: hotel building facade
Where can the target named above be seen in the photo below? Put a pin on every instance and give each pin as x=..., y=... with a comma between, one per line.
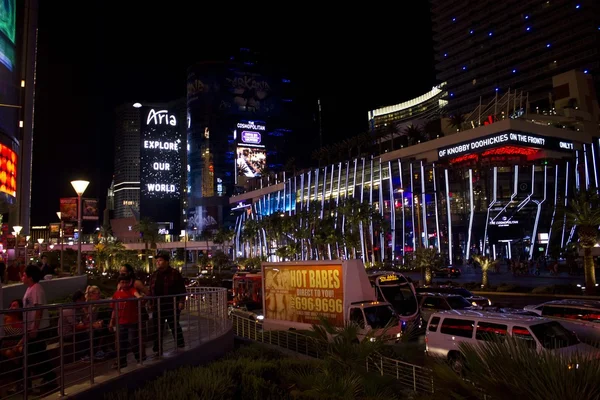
x=498, y=187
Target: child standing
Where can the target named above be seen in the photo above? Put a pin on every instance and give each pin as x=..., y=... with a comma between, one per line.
x=128, y=319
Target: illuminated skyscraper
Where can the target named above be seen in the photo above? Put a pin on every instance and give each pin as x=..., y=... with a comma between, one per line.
x=149, y=177
x=238, y=118
x=486, y=47
x=126, y=187
x=18, y=48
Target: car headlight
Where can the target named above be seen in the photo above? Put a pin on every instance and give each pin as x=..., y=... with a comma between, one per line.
x=372, y=339
x=260, y=317
x=398, y=335
x=573, y=366
x=489, y=302
x=474, y=303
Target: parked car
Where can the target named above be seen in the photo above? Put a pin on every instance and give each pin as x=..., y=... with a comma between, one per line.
x=430, y=303
x=580, y=316
x=448, y=329
x=447, y=272
x=470, y=297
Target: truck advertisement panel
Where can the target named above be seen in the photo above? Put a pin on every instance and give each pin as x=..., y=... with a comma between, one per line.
x=302, y=293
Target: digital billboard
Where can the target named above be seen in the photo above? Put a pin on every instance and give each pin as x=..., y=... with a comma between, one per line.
x=9, y=88
x=8, y=22
x=303, y=293
x=251, y=161
x=8, y=171
x=160, y=165
x=504, y=138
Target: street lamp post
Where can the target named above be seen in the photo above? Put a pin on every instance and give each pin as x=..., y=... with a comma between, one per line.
x=17, y=229
x=40, y=241
x=79, y=187
x=62, y=239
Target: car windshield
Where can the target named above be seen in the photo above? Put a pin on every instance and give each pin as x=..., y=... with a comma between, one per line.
x=401, y=298
x=552, y=335
x=458, y=302
x=379, y=317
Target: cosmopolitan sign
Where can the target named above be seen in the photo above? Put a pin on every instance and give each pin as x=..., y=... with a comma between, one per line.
x=251, y=125
x=505, y=138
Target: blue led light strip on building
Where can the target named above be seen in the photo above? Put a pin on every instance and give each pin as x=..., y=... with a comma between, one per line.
x=449, y=216
x=554, y=210
x=537, y=216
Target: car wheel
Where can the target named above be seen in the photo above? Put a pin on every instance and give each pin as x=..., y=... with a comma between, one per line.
x=457, y=362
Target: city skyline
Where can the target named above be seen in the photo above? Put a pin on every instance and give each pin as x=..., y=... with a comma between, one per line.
x=85, y=71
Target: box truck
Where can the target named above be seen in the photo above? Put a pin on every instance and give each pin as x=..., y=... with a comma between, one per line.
x=298, y=294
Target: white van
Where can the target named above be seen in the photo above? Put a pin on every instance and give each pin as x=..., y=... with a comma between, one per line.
x=447, y=330
x=580, y=316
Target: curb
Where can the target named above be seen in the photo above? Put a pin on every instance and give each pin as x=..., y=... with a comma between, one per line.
x=560, y=296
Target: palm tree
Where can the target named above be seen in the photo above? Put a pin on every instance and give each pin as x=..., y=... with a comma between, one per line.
x=414, y=133
x=584, y=214
x=105, y=234
x=249, y=233
x=378, y=136
x=425, y=259
x=223, y=236
x=486, y=264
x=362, y=140
x=349, y=144
x=391, y=131
x=433, y=129
x=207, y=235
x=148, y=229
x=495, y=370
x=290, y=166
x=457, y=121
x=321, y=155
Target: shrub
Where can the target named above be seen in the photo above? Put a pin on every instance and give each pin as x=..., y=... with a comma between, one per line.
x=255, y=372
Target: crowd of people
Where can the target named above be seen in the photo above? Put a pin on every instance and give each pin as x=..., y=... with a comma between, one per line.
x=95, y=329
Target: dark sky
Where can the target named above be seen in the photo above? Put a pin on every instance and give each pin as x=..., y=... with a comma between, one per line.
x=92, y=59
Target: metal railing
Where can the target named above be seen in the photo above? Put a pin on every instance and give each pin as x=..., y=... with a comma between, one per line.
x=415, y=377
x=77, y=343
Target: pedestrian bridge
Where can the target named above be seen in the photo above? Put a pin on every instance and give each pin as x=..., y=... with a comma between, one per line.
x=83, y=371
x=189, y=245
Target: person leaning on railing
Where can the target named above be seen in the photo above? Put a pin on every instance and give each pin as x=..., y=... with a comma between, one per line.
x=11, y=353
x=142, y=291
x=99, y=317
x=74, y=326
x=37, y=329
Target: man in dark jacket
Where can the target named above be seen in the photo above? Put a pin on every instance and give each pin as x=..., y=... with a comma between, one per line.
x=167, y=281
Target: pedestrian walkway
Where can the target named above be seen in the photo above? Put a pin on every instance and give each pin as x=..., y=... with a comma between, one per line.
x=203, y=320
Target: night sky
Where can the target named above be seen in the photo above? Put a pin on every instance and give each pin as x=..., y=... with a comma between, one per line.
x=91, y=60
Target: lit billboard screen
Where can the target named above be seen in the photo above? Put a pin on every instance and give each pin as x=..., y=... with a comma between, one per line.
x=304, y=293
x=8, y=22
x=9, y=88
x=8, y=171
x=160, y=166
x=251, y=161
